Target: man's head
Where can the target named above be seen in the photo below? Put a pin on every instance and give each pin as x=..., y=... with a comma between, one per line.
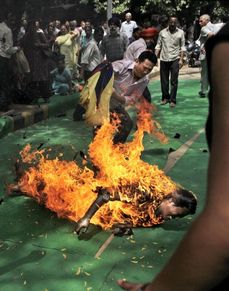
x=88, y=31
x=114, y=25
x=144, y=64
x=177, y=204
x=63, y=29
x=50, y=28
x=73, y=24
x=204, y=19
x=172, y=23
x=128, y=16
x=137, y=32
x=57, y=24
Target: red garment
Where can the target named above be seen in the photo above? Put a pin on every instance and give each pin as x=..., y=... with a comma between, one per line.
x=149, y=32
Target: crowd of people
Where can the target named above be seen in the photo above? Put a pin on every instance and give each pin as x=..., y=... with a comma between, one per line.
x=37, y=60
x=41, y=61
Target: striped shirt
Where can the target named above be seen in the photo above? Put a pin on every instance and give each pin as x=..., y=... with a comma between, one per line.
x=114, y=47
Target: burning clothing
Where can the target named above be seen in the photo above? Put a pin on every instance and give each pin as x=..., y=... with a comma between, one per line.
x=136, y=188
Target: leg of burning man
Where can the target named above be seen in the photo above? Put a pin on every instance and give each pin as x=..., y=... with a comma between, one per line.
x=125, y=125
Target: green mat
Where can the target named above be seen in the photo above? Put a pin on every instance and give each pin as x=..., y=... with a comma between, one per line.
x=40, y=252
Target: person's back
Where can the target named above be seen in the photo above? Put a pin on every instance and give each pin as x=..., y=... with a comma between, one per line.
x=135, y=49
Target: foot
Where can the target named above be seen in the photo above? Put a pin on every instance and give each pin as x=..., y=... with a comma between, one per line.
x=125, y=285
x=172, y=104
x=202, y=95
x=165, y=101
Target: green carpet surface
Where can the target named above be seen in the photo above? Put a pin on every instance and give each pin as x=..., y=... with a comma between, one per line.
x=40, y=252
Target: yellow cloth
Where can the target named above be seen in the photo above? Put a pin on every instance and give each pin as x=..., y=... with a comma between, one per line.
x=96, y=114
x=68, y=48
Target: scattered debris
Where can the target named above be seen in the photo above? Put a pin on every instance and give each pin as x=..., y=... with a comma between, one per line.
x=171, y=150
x=177, y=135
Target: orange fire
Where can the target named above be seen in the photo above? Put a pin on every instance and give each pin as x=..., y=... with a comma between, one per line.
x=69, y=189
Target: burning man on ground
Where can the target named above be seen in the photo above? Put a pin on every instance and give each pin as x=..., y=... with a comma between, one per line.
x=124, y=191
x=119, y=189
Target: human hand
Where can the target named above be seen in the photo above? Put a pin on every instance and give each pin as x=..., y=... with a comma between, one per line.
x=125, y=285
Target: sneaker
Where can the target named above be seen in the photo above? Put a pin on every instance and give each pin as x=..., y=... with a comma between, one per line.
x=172, y=104
x=165, y=101
x=202, y=95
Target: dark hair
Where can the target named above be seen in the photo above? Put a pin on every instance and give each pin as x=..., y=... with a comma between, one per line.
x=136, y=29
x=114, y=20
x=184, y=199
x=149, y=55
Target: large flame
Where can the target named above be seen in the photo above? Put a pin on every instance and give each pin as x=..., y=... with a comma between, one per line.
x=70, y=189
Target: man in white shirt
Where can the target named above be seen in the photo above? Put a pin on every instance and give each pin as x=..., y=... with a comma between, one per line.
x=170, y=48
x=128, y=25
x=6, y=50
x=207, y=30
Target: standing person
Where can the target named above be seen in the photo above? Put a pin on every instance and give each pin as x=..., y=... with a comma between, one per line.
x=128, y=25
x=170, y=48
x=146, y=41
x=76, y=41
x=6, y=51
x=114, y=44
x=67, y=46
x=36, y=49
x=207, y=30
x=90, y=55
x=201, y=262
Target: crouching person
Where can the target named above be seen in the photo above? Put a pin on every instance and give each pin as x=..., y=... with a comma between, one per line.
x=61, y=78
x=110, y=88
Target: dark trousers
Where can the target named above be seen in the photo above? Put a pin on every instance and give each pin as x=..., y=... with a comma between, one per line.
x=146, y=94
x=169, y=71
x=126, y=122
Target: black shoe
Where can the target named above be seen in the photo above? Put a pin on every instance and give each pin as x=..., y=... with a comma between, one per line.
x=202, y=95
